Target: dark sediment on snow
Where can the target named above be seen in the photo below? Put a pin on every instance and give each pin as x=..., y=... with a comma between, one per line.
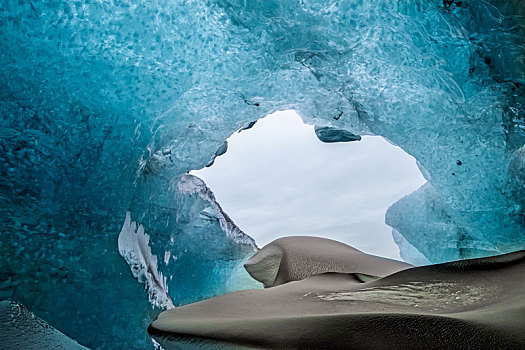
x=469, y=304
x=295, y=258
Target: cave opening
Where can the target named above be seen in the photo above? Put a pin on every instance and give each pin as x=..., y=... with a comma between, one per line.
x=279, y=179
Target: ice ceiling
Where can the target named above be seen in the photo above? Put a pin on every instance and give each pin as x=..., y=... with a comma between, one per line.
x=104, y=104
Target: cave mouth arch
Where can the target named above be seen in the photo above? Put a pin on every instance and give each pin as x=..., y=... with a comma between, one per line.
x=81, y=117
x=278, y=179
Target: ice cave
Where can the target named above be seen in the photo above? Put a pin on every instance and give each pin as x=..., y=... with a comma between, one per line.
x=107, y=105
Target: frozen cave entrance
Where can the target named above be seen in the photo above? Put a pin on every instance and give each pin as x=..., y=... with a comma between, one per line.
x=282, y=177
x=106, y=110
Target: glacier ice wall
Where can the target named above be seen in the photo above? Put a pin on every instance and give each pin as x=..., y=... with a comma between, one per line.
x=196, y=252
x=104, y=104
x=21, y=329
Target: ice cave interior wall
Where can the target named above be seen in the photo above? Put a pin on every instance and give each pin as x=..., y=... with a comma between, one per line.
x=105, y=104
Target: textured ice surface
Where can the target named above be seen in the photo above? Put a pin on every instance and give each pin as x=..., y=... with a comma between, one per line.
x=202, y=249
x=330, y=134
x=21, y=329
x=104, y=103
x=133, y=245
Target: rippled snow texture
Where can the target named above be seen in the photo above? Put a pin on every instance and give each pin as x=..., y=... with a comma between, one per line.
x=104, y=103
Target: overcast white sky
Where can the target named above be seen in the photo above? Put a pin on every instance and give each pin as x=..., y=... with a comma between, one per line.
x=277, y=179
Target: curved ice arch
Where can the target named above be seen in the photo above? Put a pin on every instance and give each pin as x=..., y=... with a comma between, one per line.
x=103, y=104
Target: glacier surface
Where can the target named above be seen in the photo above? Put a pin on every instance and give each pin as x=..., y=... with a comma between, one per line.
x=21, y=329
x=105, y=104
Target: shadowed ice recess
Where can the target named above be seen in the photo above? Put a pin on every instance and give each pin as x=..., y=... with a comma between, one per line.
x=105, y=104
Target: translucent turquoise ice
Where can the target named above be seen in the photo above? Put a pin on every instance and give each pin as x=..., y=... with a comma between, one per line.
x=105, y=103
